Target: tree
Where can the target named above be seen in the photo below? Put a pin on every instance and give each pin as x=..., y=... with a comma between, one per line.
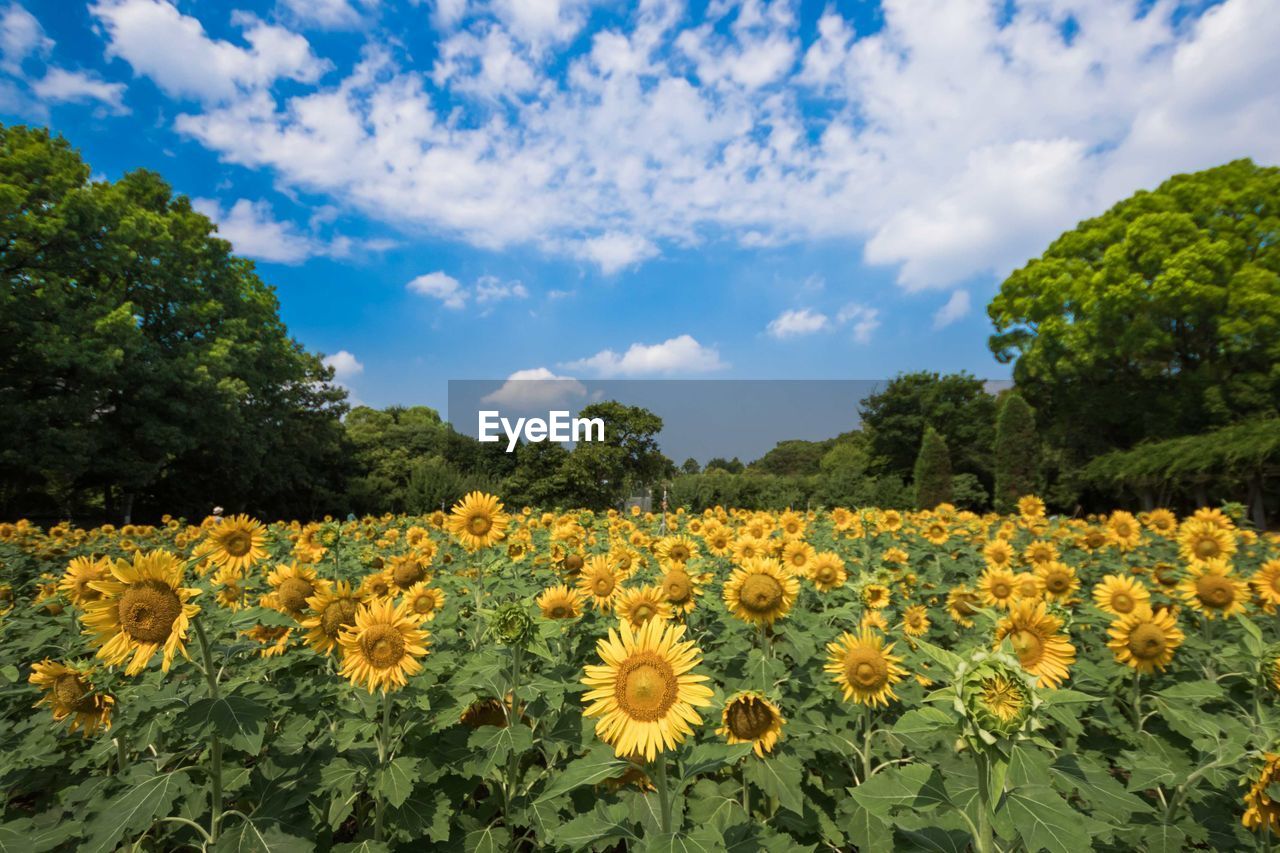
x=733, y=466
x=1016, y=452
x=932, y=471
x=956, y=404
x=792, y=457
x=690, y=466
x=1159, y=318
x=602, y=473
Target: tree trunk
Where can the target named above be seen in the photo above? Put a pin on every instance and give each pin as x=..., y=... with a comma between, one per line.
x=1202, y=495
x=126, y=507
x=1257, y=507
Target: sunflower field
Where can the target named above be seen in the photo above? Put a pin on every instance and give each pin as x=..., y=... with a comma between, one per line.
x=490, y=679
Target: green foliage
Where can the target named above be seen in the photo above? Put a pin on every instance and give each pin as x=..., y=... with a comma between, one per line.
x=932, y=474
x=1016, y=453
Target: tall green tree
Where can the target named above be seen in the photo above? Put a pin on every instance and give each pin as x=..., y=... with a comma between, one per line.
x=1017, y=453
x=956, y=404
x=602, y=473
x=932, y=474
x=1159, y=318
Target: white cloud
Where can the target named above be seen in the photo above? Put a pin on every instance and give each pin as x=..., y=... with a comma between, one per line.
x=955, y=309
x=345, y=366
x=798, y=322
x=955, y=142
x=59, y=86
x=861, y=319
x=442, y=286
x=535, y=388
x=682, y=355
x=254, y=232
x=175, y=52
x=325, y=14
x=21, y=36
x=493, y=289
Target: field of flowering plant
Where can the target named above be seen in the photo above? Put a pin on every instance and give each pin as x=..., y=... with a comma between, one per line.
x=499, y=679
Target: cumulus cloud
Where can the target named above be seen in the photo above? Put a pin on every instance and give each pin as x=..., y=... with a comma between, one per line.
x=535, y=388
x=861, y=320
x=325, y=14
x=442, y=286
x=679, y=355
x=493, y=289
x=60, y=86
x=345, y=366
x=254, y=232
x=21, y=36
x=955, y=309
x=953, y=142
x=797, y=322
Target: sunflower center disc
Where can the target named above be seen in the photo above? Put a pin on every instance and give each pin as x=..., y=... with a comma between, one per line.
x=760, y=593
x=1121, y=602
x=424, y=604
x=336, y=615
x=1027, y=644
x=383, y=646
x=749, y=718
x=866, y=668
x=408, y=573
x=147, y=611
x=1001, y=590
x=294, y=593
x=479, y=525
x=647, y=688
x=1146, y=642
x=1206, y=548
x=1057, y=582
x=676, y=586
x=1214, y=590
x=642, y=613
x=68, y=690
x=826, y=574
x=573, y=563
x=559, y=612
x=602, y=585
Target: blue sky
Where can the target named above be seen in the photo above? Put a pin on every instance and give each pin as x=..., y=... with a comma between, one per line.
x=487, y=188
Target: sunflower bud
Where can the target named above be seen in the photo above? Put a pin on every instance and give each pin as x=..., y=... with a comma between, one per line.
x=996, y=696
x=512, y=624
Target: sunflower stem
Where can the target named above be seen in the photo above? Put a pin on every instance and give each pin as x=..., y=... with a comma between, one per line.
x=215, y=742
x=1137, y=701
x=513, y=716
x=384, y=755
x=746, y=789
x=984, y=841
x=867, y=730
x=664, y=801
x=121, y=761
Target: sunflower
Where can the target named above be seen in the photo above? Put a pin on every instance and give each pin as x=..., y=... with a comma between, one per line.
x=827, y=571
x=936, y=531
x=962, y=604
x=1211, y=589
x=1033, y=633
x=749, y=717
x=330, y=611
x=1030, y=507
x=1120, y=595
x=408, y=570
x=274, y=639
x=1201, y=542
x=1266, y=584
x=69, y=693
x=915, y=620
x=1028, y=585
x=424, y=601
x=749, y=548
x=81, y=572
x=1040, y=552
x=681, y=588
x=376, y=585
x=560, y=602
x=229, y=589
x=477, y=521
x=1124, y=530
x=998, y=553
x=1057, y=580
x=676, y=549
x=864, y=668
x=1260, y=809
x=798, y=555
x=997, y=587
x=1003, y=698
x=291, y=586
x=637, y=606
x=1160, y=521
x=237, y=542
x=644, y=691
x=876, y=596
x=760, y=591
x=142, y=608
x=1145, y=640
x=598, y=582
x=381, y=649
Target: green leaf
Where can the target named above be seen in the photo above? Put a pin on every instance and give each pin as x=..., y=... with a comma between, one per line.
x=240, y=721
x=394, y=782
x=868, y=832
x=1193, y=691
x=425, y=815
x=594, y=767
x=1045, y=821
x=933, y=839
x=249, y=837
x=491, y=839
x=778, y=776
x=135, y=809
x=699, y=840
x=706, y=757
x=586, y=829
x=895, y=786
x=920, y=726
x=950, y=661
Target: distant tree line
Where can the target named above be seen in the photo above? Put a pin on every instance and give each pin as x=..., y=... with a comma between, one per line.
x=144, y=369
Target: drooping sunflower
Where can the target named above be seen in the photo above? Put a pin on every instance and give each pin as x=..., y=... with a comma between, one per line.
x=760, y=591
x=237, y=542
x=142, y=609
x=68, y=691
x=560, y=602
x=424, y=601
x=1212, y=589
x=1058, y=581
x=81, y=572
x=749, y=717
x=827, y=571
x=1034, y=634
x=997, y=587
x=273, y=639
x=1120, y=595
x=1145, y=640
x=864, y=668
x=329, y=612
x=915, y=620
x=383, y=647
x=640, y=604
x=645, y=691
x=477, y=521
x=962, y=604
x=1202, y=542
x=229, y=588
x=598, y=582
x=1260, y=809
x=291, y=585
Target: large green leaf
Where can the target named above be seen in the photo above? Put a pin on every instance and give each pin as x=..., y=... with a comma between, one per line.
x=779, y=776
x=135, y=810
x=895, y=786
